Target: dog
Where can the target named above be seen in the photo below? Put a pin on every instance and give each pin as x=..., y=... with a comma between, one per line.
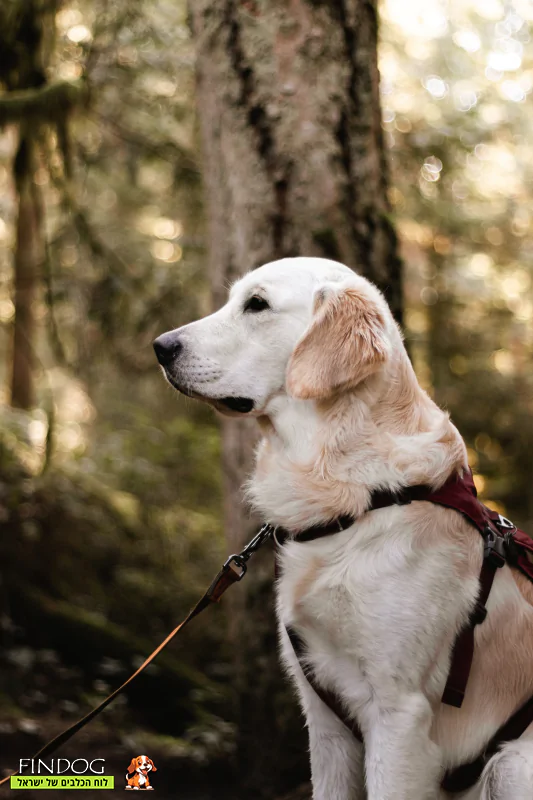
x=138, y=772
x=310, y=350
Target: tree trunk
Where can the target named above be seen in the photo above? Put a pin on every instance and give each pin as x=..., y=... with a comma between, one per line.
x=27, y=29
x=288, y=96
x=29, y=255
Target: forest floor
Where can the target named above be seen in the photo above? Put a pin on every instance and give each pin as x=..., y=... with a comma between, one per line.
x=176, y=778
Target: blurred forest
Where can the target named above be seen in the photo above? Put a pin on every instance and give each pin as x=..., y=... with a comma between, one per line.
x=111, y=486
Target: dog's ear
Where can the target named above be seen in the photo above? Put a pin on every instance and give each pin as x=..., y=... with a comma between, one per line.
x=344, y=344
x=154, y=768
x=133, y=766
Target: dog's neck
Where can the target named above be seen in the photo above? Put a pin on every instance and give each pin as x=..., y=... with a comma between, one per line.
x=318, y=460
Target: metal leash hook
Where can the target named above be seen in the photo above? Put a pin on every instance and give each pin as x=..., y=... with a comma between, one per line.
x=240, y=559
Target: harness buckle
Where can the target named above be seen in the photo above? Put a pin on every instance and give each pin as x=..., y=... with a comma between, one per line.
x=494, y=551
x=505, y=524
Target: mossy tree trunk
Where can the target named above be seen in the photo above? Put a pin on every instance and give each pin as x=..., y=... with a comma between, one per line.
x=26, y=37
x=29, y=256
x=294, y=164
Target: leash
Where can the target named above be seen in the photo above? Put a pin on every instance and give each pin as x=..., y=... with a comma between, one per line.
x=233, y=570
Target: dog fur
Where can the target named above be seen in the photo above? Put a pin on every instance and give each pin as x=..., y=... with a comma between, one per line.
x=380, y=604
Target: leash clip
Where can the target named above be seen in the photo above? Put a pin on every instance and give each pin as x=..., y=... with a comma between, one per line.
x=237, y=561
x=259, y=539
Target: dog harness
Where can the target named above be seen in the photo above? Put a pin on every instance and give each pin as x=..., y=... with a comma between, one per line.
x=503, y=543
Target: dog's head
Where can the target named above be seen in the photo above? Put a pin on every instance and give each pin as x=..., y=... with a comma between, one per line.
x=142, y=764
x=308, y=327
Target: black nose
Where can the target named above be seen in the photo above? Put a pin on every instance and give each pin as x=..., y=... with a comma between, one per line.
x=167, y=347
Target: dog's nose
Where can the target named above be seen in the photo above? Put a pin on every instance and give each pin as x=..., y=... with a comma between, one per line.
x=167, y=347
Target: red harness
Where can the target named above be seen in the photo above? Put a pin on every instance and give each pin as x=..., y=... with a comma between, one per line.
x=503, y=543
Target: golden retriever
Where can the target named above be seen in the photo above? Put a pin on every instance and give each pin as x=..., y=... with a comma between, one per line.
x=312, y=351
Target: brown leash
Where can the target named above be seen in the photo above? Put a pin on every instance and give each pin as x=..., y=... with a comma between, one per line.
x=233, y=570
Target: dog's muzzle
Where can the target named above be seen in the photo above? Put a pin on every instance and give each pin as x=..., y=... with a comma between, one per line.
x=167, y=348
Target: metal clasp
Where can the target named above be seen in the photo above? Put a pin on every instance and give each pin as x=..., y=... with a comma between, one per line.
x=238, y=560
x=235, y=563
x=505, y=523
x=260, y=538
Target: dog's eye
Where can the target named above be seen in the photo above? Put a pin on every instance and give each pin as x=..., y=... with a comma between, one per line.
x=256, y=304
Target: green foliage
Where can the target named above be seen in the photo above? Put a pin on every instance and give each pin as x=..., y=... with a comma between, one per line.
x=71, y=536
x=456, y=84
x=91, y=582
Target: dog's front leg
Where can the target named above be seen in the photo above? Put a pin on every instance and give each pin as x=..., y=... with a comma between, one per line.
x=337, y=769
x=337, y=764
x=401, y=761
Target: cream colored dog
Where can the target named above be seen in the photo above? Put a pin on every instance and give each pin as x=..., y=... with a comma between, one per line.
x=311, y=350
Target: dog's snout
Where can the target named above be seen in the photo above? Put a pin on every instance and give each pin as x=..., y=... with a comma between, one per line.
x=167, y=347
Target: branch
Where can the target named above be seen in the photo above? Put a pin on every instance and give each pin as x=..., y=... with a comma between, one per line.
x=63, y=182
x=167, y=150
x=50, y=102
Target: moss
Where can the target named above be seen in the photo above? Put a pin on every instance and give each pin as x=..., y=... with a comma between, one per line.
x=86, y=578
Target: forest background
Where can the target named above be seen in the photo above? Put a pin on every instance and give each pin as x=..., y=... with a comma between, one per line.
x=111, y=486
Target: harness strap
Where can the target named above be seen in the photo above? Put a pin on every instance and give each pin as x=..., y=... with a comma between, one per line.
x=463, y=649
x=331, y=699
x=466, y=775
x=457, y=493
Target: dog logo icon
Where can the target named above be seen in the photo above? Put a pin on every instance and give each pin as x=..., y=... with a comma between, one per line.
x=137, y=776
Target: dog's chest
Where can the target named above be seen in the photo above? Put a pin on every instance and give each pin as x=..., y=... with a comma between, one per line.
x=336, y=597
x=358, y=608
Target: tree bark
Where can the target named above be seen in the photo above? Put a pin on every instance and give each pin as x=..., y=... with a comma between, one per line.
x=29, y=256
x=294, y=164
x=27, y=30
